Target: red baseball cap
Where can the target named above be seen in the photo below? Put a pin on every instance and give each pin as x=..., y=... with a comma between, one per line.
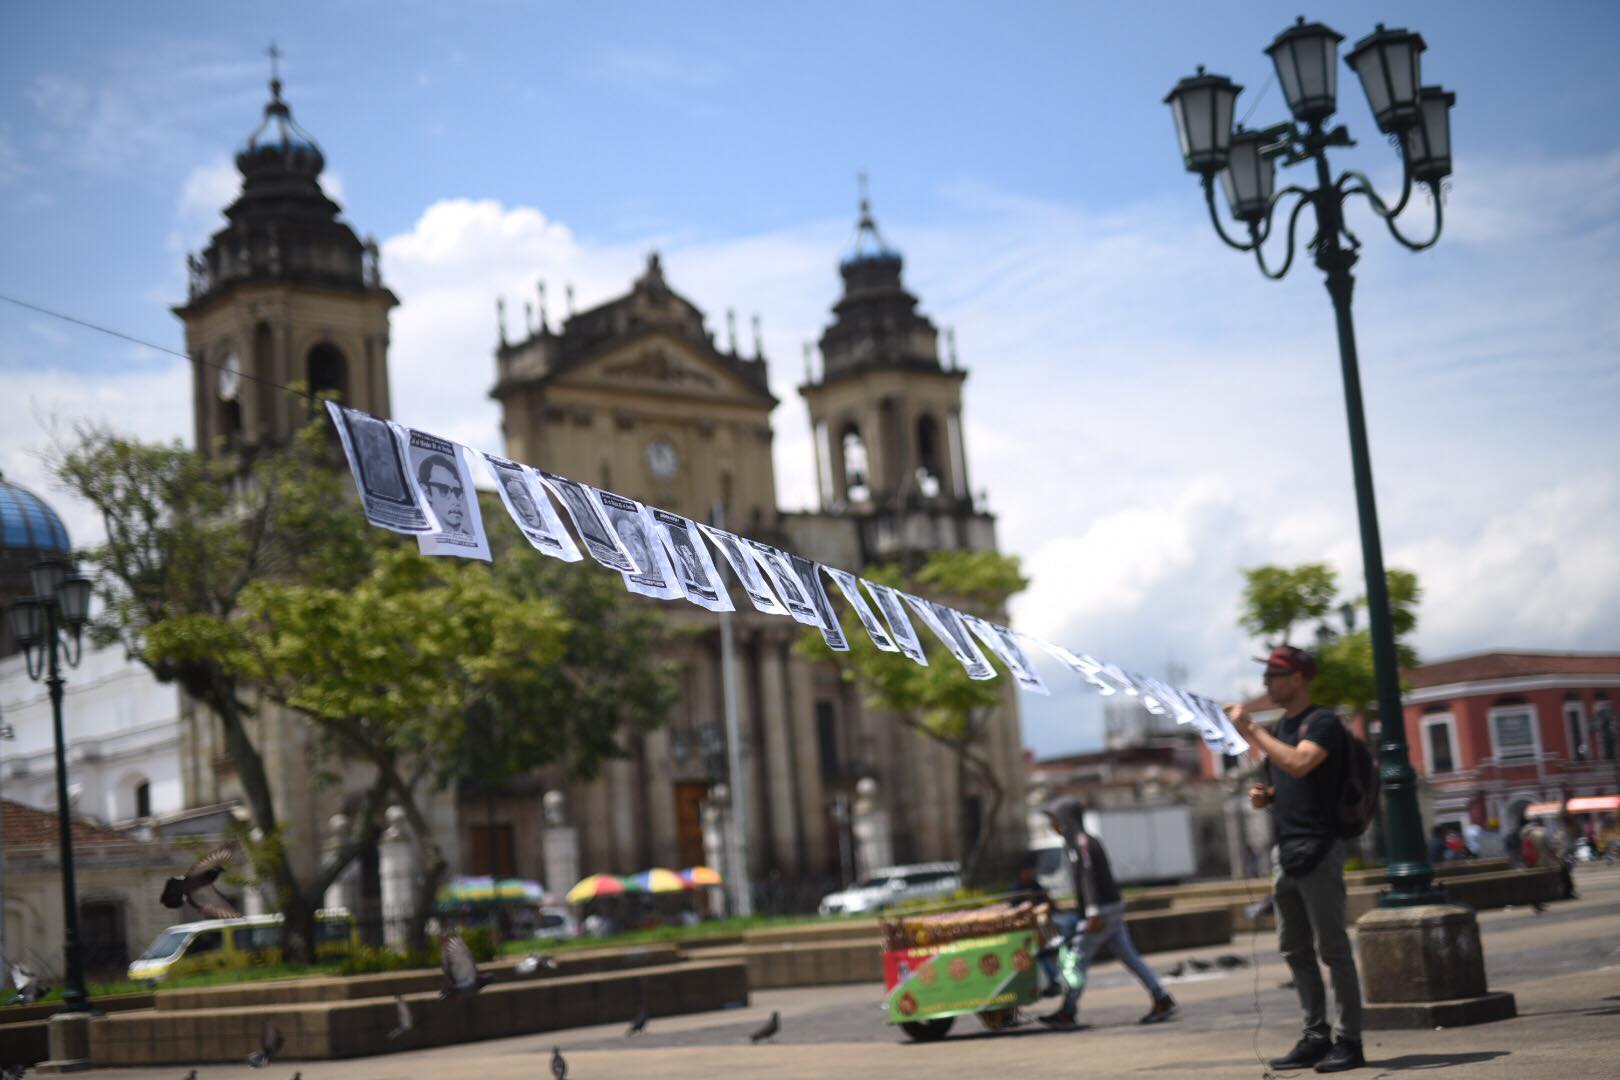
x=1288, y=658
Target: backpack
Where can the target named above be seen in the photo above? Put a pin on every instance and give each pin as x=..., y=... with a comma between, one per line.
x=1358, y=802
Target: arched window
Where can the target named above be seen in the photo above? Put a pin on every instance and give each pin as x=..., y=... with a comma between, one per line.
x=857, y=479
x=328, y=372
x=143, y=799
x=928, y=470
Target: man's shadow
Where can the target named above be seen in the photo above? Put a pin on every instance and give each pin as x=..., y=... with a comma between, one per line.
x=1413, y=1062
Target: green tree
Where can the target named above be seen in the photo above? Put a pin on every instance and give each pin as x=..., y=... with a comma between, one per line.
x=1276, y=598
x=185, y=538
x=939, y=701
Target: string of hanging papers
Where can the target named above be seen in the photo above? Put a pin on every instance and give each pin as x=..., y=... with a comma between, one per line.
x=419, y=484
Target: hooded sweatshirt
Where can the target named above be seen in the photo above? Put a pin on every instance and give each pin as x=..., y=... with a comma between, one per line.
x=1094, y=886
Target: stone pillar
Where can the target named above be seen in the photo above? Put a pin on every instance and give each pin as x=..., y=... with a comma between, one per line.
x=561, y=845
x=778, y=758
x=812, y=797
x=622, y=800
x=344, y=892
x=397, y=871
x=253, y=894
x=716, y=843
x=1423, y=967
x=67, y=1035
x=750, y=725
x=874, y=846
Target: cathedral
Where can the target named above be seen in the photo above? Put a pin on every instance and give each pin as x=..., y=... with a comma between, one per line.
x=637, y=396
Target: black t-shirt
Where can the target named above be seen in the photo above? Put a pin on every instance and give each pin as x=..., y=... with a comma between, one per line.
x=1307, y=808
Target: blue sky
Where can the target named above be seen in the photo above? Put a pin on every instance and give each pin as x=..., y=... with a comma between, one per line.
x=1145, y=411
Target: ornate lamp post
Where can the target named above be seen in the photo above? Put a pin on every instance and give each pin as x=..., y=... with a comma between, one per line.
x=1387, y=64
x=47, y=626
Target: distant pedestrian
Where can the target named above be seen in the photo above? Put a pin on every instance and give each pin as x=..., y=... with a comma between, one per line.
x=1027, y=889
x=1097, y=895
x=1455, y=848
x=1306, y=758
x=1437, y=845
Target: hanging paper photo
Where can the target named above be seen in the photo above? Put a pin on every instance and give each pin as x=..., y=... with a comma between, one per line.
x=894, y=610
x=736, y=551
x=1005, y=645
x=590, y=521
x=699, y=577
x=777, y=567
x=377, y=460
x=851, y=588
x=945, y=624
x=832, y=631
x=637, y=535
x=531, y=509
x=441, y=475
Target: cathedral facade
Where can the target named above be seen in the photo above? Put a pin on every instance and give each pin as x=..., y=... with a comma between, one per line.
x=634, y=395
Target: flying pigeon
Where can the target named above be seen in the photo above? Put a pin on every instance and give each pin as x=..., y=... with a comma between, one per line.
x=534, y=962
x=1230, y=961
x=456, y=959
x=1259, y=907
x=406, y=1022
x=639, y=1024
x=29, y=988
x=559, y=1066
x=197, y=888
x=768, y=1029
x=269, y=1046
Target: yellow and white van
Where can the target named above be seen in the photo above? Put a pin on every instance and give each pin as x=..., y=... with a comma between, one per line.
x=229, y=944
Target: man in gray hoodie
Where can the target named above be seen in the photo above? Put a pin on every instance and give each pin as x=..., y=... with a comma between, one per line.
x=1097, y=896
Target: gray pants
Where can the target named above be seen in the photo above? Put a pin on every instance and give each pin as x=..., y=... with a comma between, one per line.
x=1310, y=924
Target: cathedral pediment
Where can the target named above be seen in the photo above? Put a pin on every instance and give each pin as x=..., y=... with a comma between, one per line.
x=659, y=363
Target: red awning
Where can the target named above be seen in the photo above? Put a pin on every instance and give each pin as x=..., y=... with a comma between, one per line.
x=1585, y=804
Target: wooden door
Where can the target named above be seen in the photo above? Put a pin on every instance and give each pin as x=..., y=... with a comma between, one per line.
x=689, y=796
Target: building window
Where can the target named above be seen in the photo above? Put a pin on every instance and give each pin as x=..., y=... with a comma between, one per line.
x=1440, y=744
x=827, y=739
x=143, y=800
x=1577, y=735
x=1513, y=733
x=856, y=478
x=327, y=372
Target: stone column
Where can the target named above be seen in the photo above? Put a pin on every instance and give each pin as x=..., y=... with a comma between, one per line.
x=778, y=757
x=811, y=792
x=622, y=796
x=397, y=871
x=1423, y=967
x=874, y=845
x=716, y=842
x=344, y=892
x=561, y=845
x=750, y=723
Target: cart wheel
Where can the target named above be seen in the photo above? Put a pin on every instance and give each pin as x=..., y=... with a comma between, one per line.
x=996, y=1019
x=928, y=1030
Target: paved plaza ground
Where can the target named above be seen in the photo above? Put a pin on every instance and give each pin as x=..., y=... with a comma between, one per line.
x=1563, y=965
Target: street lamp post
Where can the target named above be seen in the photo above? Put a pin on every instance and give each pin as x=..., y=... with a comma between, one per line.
x=1418, y=118
x=47, y=626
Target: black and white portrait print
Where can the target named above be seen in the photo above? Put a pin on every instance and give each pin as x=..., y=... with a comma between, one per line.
x=693, y=567
x=777, y=567
x=809, y=575
x=1004, y=643
x=377, y=461
x=441, y=475
x=742, y=563
x=531, y=510
x=591, y=523
x=894, y=610
x=851, y=588
x=637, y=535
x=950, y=631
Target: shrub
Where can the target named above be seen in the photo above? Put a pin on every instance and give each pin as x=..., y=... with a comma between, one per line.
x=481, y=943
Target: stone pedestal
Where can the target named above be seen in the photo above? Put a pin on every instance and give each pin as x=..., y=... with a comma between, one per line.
x=1422, y=967
x=874, y=845
x=68, y=1036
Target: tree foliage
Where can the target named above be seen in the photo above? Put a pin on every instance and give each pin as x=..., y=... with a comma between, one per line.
x=939, y=701
x=1277, y=598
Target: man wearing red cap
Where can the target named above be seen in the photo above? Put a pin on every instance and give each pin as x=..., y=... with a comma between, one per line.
x=1306, y=757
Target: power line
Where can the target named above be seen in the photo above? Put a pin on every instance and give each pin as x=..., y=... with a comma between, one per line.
x=1258, y=98
x=110, y=332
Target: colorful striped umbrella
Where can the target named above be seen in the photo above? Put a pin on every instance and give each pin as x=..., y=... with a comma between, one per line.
x=486, y=890
x=658, y=880
x=596, y=885
x=701, y=875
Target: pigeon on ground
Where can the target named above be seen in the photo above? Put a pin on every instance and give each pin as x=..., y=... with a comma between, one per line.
x=29, y=988
x=406, y=1022
x=269, y=1046
x=768, y=1029
x=559, y=1065
x=1197, y=964
x=534, y=962
x=462, y=974
x=638, y=1023
x=1539, y=907
x=1230, y=961
x=196, y=887
x=1176, y=972
x=192, y=1075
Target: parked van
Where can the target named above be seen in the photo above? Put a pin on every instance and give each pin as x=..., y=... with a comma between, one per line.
x=229, y=944
x=892, y=885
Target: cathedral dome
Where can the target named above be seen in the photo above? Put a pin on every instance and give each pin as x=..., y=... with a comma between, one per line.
x=28, y=526
x=278, y=145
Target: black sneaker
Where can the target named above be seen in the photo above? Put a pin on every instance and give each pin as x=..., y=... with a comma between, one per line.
x=1163, y=1009
x=1062, y=1021
x=1306, y=1052
x=1344, y=1055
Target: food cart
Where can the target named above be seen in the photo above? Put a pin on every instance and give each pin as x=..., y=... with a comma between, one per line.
x=941, y=966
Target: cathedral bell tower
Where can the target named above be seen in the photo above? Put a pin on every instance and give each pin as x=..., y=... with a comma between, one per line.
x=887, y=415
x=285, y=292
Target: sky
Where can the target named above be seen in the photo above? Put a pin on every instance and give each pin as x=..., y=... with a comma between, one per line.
x=1147, y=414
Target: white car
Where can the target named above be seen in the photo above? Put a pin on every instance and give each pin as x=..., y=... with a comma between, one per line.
x=892, y=885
